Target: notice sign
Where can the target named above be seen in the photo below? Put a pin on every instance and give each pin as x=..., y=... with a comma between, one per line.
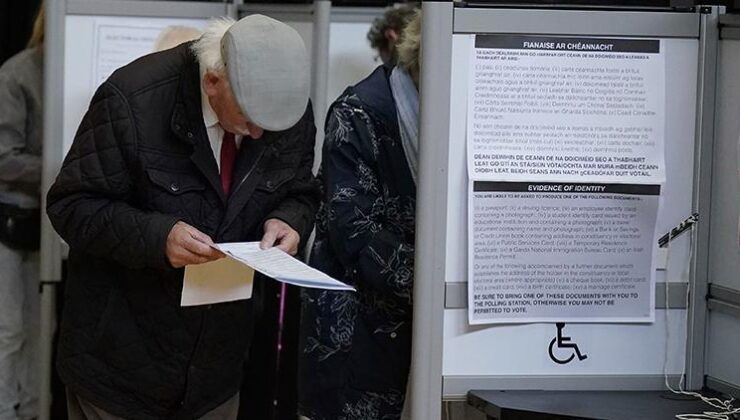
x=566, y=109
x=118, y=45
x=561, y=252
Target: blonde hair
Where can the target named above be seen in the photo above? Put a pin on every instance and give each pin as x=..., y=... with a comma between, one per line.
x=208, y=47
x=173, y=36
x=409, y=49
x=37, y=35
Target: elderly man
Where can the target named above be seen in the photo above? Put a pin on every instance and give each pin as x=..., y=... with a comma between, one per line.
x=207, y=142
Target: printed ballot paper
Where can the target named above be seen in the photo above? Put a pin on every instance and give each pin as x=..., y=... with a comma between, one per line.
x=230, y=278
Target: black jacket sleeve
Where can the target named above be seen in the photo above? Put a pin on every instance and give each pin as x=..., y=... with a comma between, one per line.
x=89, y=204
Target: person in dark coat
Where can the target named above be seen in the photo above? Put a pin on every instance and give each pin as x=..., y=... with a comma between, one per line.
x=357, y=346
x=207, y=142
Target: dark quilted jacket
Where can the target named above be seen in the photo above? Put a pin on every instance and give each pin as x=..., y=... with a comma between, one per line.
x=141, y=161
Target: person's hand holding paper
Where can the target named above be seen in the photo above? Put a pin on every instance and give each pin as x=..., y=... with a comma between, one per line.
x=230, y=279
x=209, y=278
x=277, y=264
x=279, y=234
x=187, y=245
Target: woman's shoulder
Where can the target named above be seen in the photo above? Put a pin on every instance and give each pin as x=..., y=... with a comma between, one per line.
x=374, y=91
x=23, y=65
x=371, y=98
x=349, y=100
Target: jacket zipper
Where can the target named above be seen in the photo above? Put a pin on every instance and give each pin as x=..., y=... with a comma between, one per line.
x=244, y=178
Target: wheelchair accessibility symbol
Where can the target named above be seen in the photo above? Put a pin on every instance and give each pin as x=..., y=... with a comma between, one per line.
x=564, y=342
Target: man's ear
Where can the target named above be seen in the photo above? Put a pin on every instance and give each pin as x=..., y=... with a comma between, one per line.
x=210, y=83
x=391, y=35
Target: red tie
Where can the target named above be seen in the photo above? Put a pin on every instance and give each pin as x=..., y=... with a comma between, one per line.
x=228, y=156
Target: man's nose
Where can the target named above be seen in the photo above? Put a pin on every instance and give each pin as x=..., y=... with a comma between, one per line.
x=255, y=131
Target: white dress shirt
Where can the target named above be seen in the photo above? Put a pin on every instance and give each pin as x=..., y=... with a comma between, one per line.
x=213, y=128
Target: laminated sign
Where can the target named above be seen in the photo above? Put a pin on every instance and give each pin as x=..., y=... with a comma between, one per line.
x=565, y=152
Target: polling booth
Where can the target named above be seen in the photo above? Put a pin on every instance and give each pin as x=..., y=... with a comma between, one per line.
x=89, y=39
x=569, y=156
x=578, y=203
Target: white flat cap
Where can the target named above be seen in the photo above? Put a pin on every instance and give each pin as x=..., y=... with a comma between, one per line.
x=268, y=69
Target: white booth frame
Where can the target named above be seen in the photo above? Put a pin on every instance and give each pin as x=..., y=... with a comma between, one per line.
x=443, y=19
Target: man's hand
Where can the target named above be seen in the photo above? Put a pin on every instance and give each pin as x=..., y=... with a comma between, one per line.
x=281, y=235
x=187, y=245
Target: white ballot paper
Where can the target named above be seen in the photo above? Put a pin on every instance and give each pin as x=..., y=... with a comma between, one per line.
x=224, y=280
x=230, y=278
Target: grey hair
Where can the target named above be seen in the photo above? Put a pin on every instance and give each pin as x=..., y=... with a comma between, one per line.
x=208, y=47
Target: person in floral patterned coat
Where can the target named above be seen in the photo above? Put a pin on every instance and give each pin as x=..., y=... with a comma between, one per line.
x=356, y=347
